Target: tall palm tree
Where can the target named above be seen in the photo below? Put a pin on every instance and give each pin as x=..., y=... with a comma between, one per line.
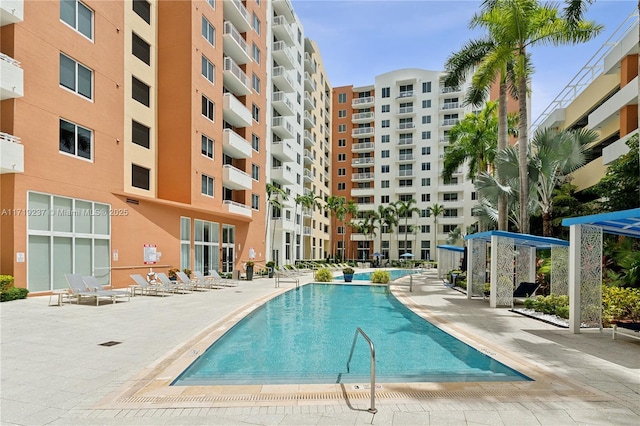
x=336, y=207
x=405, y=210
x=308, y=201
x=275, y=197
x=436, y=210
x=385, y=219
x=351, y=209
x=515, y=26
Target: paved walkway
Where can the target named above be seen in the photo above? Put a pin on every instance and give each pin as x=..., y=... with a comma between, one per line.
x=54, y=370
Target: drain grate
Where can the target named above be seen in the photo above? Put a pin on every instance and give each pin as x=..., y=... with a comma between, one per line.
x=109, y=343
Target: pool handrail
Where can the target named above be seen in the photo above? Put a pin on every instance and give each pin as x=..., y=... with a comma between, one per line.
x=372, y=349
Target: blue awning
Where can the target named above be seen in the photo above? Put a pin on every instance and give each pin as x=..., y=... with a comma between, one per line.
x=624, y=222
x=451, y=248
x=520, y=239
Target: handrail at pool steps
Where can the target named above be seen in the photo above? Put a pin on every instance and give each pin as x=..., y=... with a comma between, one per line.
x=277, y=275
x=372, y=349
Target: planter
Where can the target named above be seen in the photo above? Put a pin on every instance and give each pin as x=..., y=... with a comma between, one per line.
x=347, y=278
x=249, y=272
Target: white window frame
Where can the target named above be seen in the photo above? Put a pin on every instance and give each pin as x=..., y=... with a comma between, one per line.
x=210, y=33
x=76, y=68
x=207, y=150
x=210, y=186
x=74, y=26
x=75, y=153
x=211, y=107
x=208, y=70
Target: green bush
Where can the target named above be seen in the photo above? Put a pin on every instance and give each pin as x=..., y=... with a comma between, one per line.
x=620, y=304
x=6, y=282
x=552, y=304
x=13, y=294
x=323, y=275
x=380, y=276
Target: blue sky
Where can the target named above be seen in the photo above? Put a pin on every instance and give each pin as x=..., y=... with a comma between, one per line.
x=360, y=39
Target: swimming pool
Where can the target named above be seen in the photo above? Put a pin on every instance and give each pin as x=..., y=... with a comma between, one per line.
x=305, y=336
x=394, y=274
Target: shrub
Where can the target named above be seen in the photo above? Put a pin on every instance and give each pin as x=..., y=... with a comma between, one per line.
x=323, y=275
x=552, y=304
x=380, y=277
x=173, y=273
x=6, y=282
x=348, y=270
x=13, y=294
x=620, y=304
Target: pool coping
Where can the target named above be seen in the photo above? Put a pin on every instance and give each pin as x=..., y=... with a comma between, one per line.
x=150, y=388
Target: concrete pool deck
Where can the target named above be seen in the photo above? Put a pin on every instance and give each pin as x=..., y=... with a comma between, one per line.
x=54, y=371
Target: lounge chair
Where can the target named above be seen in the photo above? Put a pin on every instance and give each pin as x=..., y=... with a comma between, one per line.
x=79, y=289
x=145, y=288
x=526, y=289
x=165, y=281
x=208, y=282
x=188, y=282
x=94, y=285
x=220, y=281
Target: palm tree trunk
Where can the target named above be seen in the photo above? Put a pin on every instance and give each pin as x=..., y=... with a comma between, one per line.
x=503, y=214
x=547, y=230
x=522, y=154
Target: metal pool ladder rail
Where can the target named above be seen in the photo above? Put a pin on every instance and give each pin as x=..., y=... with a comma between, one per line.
x=373, y=409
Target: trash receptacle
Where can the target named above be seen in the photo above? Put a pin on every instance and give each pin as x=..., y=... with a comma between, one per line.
x=236, y=274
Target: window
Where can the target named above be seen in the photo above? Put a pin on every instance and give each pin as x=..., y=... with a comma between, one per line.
x=207, y=185
x=342, y=172
x=212, y=3
x=405, y=182
x=426, y=181
x=143, y=9
x=474, y=195
x=426, y=166
x=255, y=113
x=426, y=150
x=208, y=32
x=426, y=119
x=255, y=172
x=384, y=199
x=342, y=142
x=385, y=153
x=76, y=77
x=450, y=213
x=255, y=142
x=185, y=242
x=255, y=201
x=255, y=83
x=386, y=108
x=342, y=98
x=384, y=169
x=208, y=108
x=426, y=103
x=256, y=24
x=386, y=123
x=425, y=228
x=342, y=186
x=384, y=184
x=140, y=48
x=139, y=177
x=139, y=91
x=385, y=139
x=256, y=53
x=342, y=113
x=426, y=87
x=426, y=197
x=140, y=134
x=386, y=92
x=342, y=157
x=75, y=140
x=342, y=128
x=426, y=135
x=208, y=69
x=450, y=196
x=207, y=146
x=77, y=16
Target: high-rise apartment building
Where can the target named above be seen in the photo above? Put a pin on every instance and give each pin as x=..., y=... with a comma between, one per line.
x=134, y=135
x=603, y=96
x=389, y=144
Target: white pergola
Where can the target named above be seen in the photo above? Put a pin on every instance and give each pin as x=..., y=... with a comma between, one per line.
x=585, y=262
x=513, y=260
x=448, y=258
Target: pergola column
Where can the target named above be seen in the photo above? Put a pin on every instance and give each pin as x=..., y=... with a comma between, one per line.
x=502, y=257
x=476, y=267
x=525, y=264
x=585, y=276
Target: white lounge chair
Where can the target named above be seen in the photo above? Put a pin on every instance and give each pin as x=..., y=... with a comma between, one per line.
x=208, y=282
x=188, y=282
x=164, y=279
x=145, y=288
x=220, y=281
x=79, y=289
x=94, y=285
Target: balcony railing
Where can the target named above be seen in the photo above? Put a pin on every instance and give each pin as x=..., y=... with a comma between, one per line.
x=405, y=142
x=406, y=94
x=406, y=157
x=405, y=110
x=363, y=116
x=362, y=131
x=362, y=161
x=362, y=145
x=231, y=30
x=362, y=176
x=449, y=89
x=405, y=173
x=360, y=101
x=450, y=121
x=403, y=126
x=451, y=105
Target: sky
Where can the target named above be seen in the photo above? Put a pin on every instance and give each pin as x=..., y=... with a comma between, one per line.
x=359, y=39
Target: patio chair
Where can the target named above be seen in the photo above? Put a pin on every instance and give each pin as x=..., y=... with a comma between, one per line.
x=188, y=282
x=177, y=287
x=208, y=282
x=526, y=289
x=79, y=289
x=145, y=288
x=94, y=285
x=220, y=281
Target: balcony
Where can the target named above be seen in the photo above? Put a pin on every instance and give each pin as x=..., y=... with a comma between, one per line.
x=451, y=105
x=405, y=173
x=282, y=30
x=233, y=207
x=309, y=83
x=12, y=82
x=448, y=122
x=235, y=79
x=309, y=63
x=361, y=177
x=283, y=174
x=280, y=101
x=405, y=142
x=11, y=12
x=405, y=157
x=307, y=231
x=284, y=8
x=406, y=111
x=235, y=12
x=363, y=162
x=309, y=101
x=282, y=54
x=309, y=139
x=362, y=102
x=283, y=150
x=362, y=132
x=363, y=147
x=234, y=45
x=281, y=127
x=308, y=176
x=11, y=154
x=282, y=79
x=407, y=94
x=283, y=224
x=309, y=120
x=308, y=157
x=235, y=178
x=444, y=140
x=363, y=192
x=234, y=111
x=235, y=145
x=610, y=109
x=406, y=126
x=362, y=117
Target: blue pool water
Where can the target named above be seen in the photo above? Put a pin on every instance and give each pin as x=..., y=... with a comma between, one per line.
x=305, y=336
x=393, y=273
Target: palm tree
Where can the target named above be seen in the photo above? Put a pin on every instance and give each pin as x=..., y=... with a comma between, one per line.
x=336, y=206
x=436, y=211
x=517, y=25
x=308, y=201
x=406, y=209
x=350, y=208
x=275, y=196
